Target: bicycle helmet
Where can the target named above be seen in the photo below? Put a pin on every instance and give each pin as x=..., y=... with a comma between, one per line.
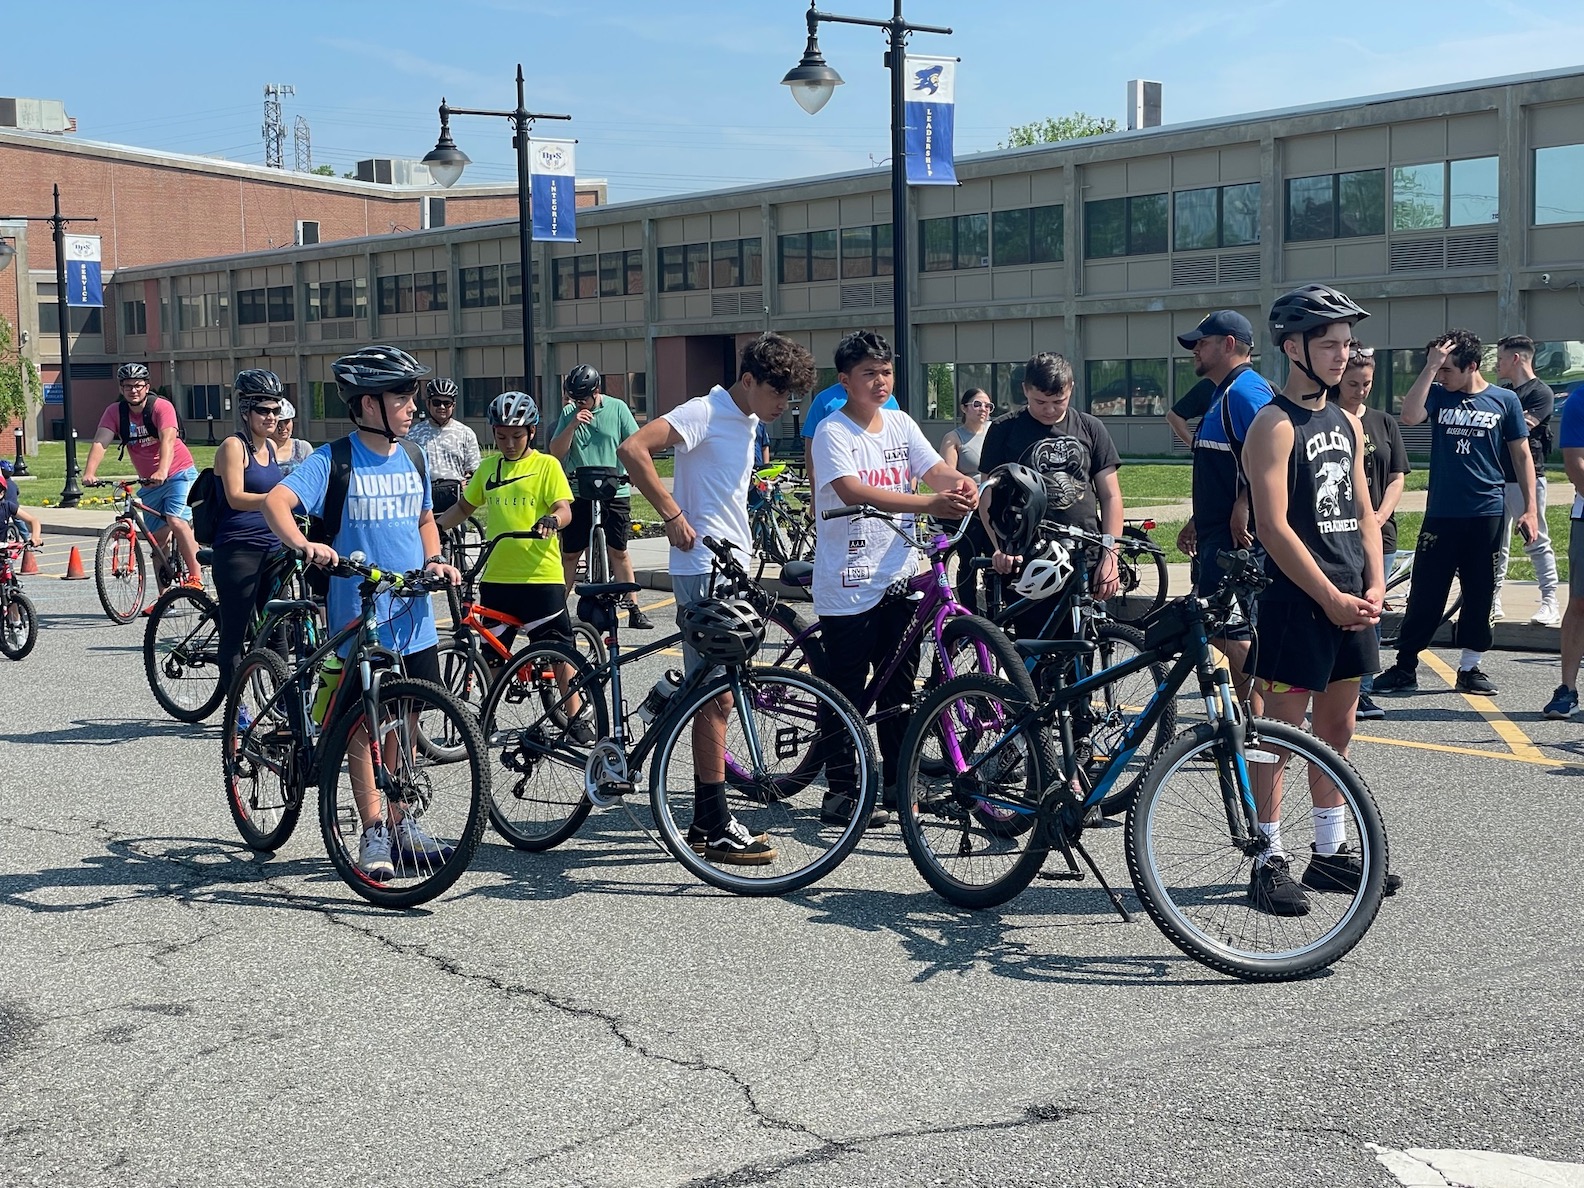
x=131, y=371
x=252, y=384
x=582, y=380
x=723, y=630
x=513, y=410
x=288, y=410
x=1310, y=307
x=444, y=388
x=1017, y=505
x=373, y=371
x=1047, y=574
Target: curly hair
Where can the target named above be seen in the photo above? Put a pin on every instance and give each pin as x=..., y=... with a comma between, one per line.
x=779, y=362
x=861, y=345
x=1465, y=347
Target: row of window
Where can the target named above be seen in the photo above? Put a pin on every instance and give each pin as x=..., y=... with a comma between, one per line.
x=412, y=292
x=812, y=255
x=607, y=274
x=722, y=264
x=255, y=307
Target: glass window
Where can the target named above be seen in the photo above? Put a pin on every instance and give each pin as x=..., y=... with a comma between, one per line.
x=857, y=252
x=936, y=245
x=587, y=276
x=884, y=260
x=1146, y=224
x=794, y=259
x=976, y=375
x=973, y=241
x=81, y=318
x=281, y=306
x=1311, y=207
x=1048, y=227
x=1126, y=387
x=822, y=255
x=1418, y=197
x=673, y=277
x=696, y=265
x=1184, y=378
x=477, y=394
x=1196, y=223
x=727, y=258
x=1240, y=214
x=480, y=286
x=1006, y=384
x=252, y=309
x=1361, y=203
x=431, y=291
x=940, y=391
x=1473, y=192
x=1105, y=228
x=1559, y=184
x=1147, y=387
x=1010, y=237
x=1105, y=387
x=612, y=274
x=1560, y=363
x=134, y=317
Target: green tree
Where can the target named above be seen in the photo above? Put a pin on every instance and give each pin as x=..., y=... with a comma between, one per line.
x=1049, y=131
x=323, y=170
x=19, y=379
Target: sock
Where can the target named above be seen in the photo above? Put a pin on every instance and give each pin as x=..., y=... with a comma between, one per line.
x=1470, y=660
x=1272, y=830
x=1330, y=830
x=709, y=805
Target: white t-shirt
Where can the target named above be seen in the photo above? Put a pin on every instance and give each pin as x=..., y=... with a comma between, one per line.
x=713, y=462
x=856, y=559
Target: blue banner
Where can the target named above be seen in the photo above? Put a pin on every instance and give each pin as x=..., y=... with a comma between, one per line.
x=553, y=196
x=931, y=90
x=84, y=285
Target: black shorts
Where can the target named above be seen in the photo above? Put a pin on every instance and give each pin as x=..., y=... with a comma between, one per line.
x=541, y=608
x=1207, y=575
x=444, y=493
x=616, y=518
x=1300, y=648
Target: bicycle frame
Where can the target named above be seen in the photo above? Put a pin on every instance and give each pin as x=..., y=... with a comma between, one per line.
x=133, y=511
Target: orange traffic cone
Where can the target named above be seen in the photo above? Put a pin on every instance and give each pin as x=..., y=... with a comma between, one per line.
x=29, y=562
x=74, y=567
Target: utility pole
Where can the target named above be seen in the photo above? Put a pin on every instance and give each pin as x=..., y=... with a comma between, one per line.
x=302, y=146
x=274, y=125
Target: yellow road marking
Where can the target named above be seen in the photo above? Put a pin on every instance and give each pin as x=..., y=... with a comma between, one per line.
x=1537, y=759
x=649, y=606
x=1507, y=730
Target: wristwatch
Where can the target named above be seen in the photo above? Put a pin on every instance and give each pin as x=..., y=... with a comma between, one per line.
x=437, y=559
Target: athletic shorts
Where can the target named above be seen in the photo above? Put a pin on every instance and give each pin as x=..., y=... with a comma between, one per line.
x=540, y=606
x=1298, y=647
x=1576, y=558
x=169, y=500
x=1207, y=575
x=616, y=519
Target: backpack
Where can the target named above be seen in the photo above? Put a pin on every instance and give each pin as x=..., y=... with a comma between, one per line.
x=203, y=500
x=325, y=528
x=125, y=428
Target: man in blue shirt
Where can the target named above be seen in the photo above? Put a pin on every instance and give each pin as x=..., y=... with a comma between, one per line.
x=1564, y=702
x=821, y=406
x=1477, y=437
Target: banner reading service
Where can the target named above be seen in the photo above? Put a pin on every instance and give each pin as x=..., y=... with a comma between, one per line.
x=84, y=284
x=554, y=199
x=931, y=89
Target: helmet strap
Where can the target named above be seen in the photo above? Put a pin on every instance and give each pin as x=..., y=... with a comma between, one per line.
x=1329, y=391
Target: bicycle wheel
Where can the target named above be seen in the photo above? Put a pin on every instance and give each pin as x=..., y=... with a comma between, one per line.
x=537, y=799
x=782, y=717
x=598, y=557
x=464, y=675
x=19, y=626
x=972, y=644
x=261, y=758
x=1104, y=719
x=1193, y=873
x=1141, y=569
x=973, y=835
x=119, y=572
x=432, y=810
x=470, y=545
x=181, y=654
x=589, y=643
x=791, y=640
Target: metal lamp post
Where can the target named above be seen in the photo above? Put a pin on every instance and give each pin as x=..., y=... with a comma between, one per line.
x=813, y=82
x=446, y=163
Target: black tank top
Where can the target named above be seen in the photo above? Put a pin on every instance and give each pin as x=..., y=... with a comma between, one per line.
x=1323, y=509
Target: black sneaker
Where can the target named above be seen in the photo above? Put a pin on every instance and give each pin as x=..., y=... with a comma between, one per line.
x=733, y=845
x=1367, y=710
x=838, y=810
x=1272, y=890
x=1472, y=680
x=636, y=619
x=581, y=730
x=698, y=838
x=1397, y=679
x=1341, y=871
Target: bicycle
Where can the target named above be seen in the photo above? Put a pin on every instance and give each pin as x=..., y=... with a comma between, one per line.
x=18, y=617
x=1193, y=833
x=463, y=545
x=777, y=717
x=781, y=531
x=424, y=749
x=119, y=565
x=1142, y=577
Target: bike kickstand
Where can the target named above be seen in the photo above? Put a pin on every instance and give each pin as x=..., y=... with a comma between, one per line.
x=1116, y=900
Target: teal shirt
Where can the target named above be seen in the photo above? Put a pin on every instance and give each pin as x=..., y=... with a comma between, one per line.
x=595, y=444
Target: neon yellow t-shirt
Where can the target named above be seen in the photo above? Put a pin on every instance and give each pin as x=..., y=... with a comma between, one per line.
x=514, y=495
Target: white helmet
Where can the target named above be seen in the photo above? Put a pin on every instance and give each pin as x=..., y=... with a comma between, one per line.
x=1046, y=574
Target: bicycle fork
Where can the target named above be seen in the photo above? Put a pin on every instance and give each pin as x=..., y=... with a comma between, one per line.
x=1230, y=755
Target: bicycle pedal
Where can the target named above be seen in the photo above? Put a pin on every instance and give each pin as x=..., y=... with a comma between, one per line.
x=1061, y=876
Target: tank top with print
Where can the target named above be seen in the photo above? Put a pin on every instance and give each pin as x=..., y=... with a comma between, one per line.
x=1323, y=508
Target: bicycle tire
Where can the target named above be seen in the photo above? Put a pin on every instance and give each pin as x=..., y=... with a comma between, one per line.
x=970, y=857
x=589, y=643
x=1198, y=892
x=181, y=654
x=455, y=823
x=1141, y=568
x=120, y=572
x=262, y=764
x=797, y=709
x=19, y=628
x=464, y=675
x=292, y=635
x=1117, y=705
x=974, y=644
x=597, y=557
x=538, y=801
x=791, y=640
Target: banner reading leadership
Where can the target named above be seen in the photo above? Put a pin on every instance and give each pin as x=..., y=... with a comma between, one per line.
x=554, y=197
x=931, y=89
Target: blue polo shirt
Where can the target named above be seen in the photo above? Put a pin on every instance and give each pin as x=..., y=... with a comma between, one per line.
x=1215, y=466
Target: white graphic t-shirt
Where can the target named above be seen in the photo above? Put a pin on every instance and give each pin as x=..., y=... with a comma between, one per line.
x=856, y=559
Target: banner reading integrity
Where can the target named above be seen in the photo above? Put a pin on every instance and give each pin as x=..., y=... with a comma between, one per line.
x=554, y=197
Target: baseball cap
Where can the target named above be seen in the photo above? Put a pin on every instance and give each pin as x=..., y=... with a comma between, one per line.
x=1223, y=321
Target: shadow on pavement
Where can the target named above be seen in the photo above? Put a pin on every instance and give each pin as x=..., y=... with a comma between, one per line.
x=109, y=731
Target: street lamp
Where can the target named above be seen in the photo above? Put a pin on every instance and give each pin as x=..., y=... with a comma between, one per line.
x=446, y=163
x=813, y=83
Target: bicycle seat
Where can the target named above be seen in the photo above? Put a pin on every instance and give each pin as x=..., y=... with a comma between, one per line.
x=1054, y=647
x=605, y=589
x=798, y=573
x=206, y=556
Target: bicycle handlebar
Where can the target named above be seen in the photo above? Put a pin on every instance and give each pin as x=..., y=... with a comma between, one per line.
x=413, y=581
x=890, y=519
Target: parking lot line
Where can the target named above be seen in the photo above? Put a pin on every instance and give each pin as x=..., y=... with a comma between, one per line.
x=1536, y=758
x=1506, y=729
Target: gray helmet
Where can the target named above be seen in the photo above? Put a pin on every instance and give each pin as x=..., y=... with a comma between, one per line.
x=443, y=387
x=723, y=630
x=1309, y=307
x=1018, y=502
x=131, y=371
x=582, y=380
x=513, y=410
x=288, y=410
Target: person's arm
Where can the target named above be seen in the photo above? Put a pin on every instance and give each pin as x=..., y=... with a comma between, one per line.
x=167, y=449
x=474, y=455
x=280, y=513
x=455, y=514
x=1369, y=526
x=1413, y=407
x=561, y=444
x=637, y=458
x=230, y=467
x=96, y=453
x=1523, y=466
x=1573, y=463
x=1538, y=405
x=952, y=503
x=1180, y=426
x=1389, y=498
x=950, y=449
x=35, y=525
x=1108, y=493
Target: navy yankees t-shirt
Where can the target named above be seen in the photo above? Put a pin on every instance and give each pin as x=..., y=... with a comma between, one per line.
x=1469, y=459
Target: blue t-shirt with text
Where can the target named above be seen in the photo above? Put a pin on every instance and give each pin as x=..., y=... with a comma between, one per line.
x=1215, y=466
x=385, y=498
x=1469, y=458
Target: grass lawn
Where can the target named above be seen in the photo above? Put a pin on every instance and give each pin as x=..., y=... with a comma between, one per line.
x=50, y=467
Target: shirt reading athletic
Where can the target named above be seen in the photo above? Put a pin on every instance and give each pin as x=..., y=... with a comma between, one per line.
x=1078, y=445
x=1469, y=433
x=1215, y=467
x=385, y=498
x=514, y=496
x=857, y=558
x=595, y=444
x=1323, y=509
x=714, y=460
x=1384, y=455
x=145, y=427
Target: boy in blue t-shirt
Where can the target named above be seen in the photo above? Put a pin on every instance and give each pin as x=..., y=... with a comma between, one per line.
x=1564, y=702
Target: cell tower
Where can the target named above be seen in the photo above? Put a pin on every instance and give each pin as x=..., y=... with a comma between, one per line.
x=302, y=146
x=274, y=125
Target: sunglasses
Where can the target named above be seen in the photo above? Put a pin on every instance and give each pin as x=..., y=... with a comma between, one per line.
x=1355, y=351
x=266, y=412
x=980, y=404
x=442, y=404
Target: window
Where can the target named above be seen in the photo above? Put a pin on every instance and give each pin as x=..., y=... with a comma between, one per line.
x=480, y=286
x=431, y=292
x=1126, y=387
x=325, y=300
x=251, y=307
x=1445, y=194
x=281, y=307
x=83, y=319
x=724, y=264
x=134, y=317
x=684, y=267
x=960, y=241
x=1337, y=205
x=394, y=294
x=1032, y=236
x=511, y=277
x=946, y=382
x=576, y=277
x=735, y=263
x=621, y=274
x=808, y=256
x=203, y=311
x=1216, y=217
x=203, y=402
x=1133, y=226
x=1559, y=184
x=866, y=251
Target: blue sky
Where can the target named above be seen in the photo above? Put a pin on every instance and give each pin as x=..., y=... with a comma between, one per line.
x=670, y=96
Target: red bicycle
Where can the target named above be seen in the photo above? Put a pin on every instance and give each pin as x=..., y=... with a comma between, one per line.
x=120, y=566
x=18, y=619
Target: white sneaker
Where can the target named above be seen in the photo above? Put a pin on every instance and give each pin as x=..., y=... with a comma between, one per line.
x=1496, y=611
x=1548, y=615
x=374, y=853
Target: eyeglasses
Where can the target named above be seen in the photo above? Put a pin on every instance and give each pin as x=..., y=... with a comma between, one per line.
x=980, y=404
x=1355, y=351
x=266, y=412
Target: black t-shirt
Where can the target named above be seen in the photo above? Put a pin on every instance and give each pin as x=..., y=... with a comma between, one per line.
x=1384, y=456
x=1078, y=445
x=1197, y=401
x=1323, y=509
x=1539, y=402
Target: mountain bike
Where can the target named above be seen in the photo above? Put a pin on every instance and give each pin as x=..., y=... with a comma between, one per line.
x=551, y=780
x=1142, y=578
x=120, y=568
x=781, y=530
x=18, y=618
x=418, y=748
x=1193, y=833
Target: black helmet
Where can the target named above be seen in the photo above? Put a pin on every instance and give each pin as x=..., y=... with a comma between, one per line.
x=582, y=380
x=1311, y=306
x=131, y=371
x=723, y=630
x=1018, y=502
x=513, y=410
x=443, y=387
x=253, y=383
x=376, y=369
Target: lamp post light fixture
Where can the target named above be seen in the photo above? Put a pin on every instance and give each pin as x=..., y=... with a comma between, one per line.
x=446, y=162
x=813, y=82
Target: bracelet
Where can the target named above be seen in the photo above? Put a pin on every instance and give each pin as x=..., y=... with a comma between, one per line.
x=670, y=518
x=437, y=559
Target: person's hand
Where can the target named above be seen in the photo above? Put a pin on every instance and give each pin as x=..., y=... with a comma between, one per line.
x=154, y=479
x=951, y=504
x=1381, y=517
x=1528, y=526
x=1437, y=354
x=1351, y=612
x=583, y=416
x=442, y=570
x=1241, y=536
x=969, y=490
x=546, y=526
x=680, y=533
x=320, y=554
x=1188, y=539
x=1004, y=563
x=1106, y=577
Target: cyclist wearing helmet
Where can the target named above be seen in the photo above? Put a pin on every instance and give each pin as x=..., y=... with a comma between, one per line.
x=450, y=446
x=388, y=517
x=591, y=426
x=246, y=467
x=31, y=527
x=159, y=456
x=290, y=452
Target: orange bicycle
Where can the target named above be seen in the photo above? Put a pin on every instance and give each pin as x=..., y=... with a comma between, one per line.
x=120, y=567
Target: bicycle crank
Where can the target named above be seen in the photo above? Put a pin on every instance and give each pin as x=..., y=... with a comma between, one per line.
x=605, y=776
